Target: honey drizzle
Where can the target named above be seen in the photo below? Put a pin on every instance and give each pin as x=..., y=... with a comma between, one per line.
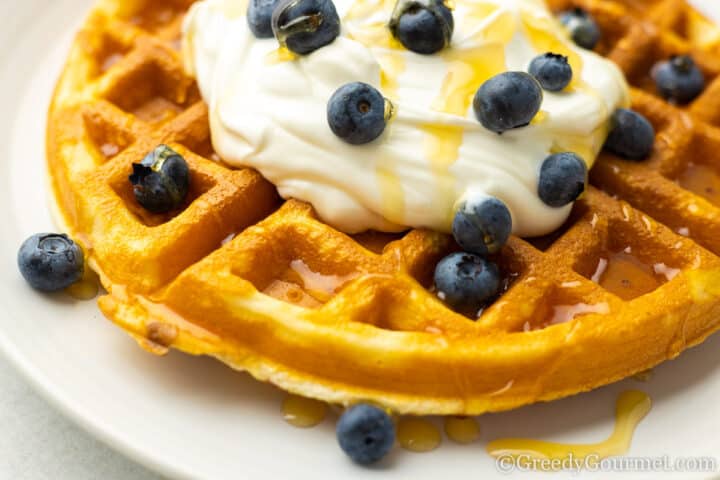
x=303, y=412
x=87, y=288
x=497, y=30
x=631, y=408
x=391, y=190
x=417, y=434
x=442, y=148
x=280, y=55
x=702, y=180
x=467, y=69
x=542, y=36
x=392, y=65
x=541, y=32
x=319, y=285
x=628, y=277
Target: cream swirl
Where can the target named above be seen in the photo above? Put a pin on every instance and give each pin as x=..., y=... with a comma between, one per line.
x=268, y=111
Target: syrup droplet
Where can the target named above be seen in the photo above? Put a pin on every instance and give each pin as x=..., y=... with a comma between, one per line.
x=628, y=277
x=462, y=430
x=565, y=313
x=391, y=189
x=643, y=376
x=702, y=180
x=303, y=412
x=631, y=408
x=85, y=289
x=393, y=65
x=317, y=284
x=417, y=434
x=281, y=55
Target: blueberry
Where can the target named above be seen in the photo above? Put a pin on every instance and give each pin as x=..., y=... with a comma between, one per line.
x=357, y=113
x=423, y=26
x=365, y=433
x=161, y=181
x=562, y=179
x=679, y=79
x=552, y=71
x=50, y=261
x=482, y=225
x=506, y=101
x=259, y=17
x=303, y=26
x=466, y=282
x=582, y=26
x=631, y=135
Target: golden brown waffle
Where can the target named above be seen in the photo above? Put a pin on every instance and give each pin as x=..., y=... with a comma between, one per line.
x=266, y=287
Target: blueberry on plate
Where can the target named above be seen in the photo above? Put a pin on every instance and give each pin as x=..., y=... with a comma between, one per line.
x=161, y=181
x=365, y=433
x=679, y=79
x=259, y=17
x=482, y=225
x=422, y=26
x=303, y=26
x=631, y=135
x=357, y=113
x=582, y=26
x=50, y=262
x=466, y=282
x=552, y=71
x=506, y=101
x=563, y=177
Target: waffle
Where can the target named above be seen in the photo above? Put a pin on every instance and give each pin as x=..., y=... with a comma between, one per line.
x=266, y=287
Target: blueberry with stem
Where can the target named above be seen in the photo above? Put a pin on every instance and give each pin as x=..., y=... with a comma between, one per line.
x=679, y=79
x=467, y=282
x=50, y=262
x=507, y=101
x=482, y=224
x=563, y=177
x=303, y=26
x=365, y=433
x=357, y=113
x=552, y=71
x=422, y=26
x=161, y=181
x=631, y=135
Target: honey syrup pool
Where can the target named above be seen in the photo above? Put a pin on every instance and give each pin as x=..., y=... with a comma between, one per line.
x=422, y=434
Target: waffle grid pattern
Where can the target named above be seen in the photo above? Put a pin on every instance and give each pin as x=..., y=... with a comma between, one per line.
x=266, y=287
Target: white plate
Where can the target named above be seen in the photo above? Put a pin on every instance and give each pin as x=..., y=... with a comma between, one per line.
x=192, y=417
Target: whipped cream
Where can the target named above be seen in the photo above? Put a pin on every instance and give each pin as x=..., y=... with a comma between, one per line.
x=268, y=111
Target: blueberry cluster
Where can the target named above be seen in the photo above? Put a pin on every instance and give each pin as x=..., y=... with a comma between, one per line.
x=357, y=113
x=467, y=281
x=303, y=26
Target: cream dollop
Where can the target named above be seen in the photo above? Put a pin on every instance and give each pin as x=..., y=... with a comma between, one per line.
x=268, y=111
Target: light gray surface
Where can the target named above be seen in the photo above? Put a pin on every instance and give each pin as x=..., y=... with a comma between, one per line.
x=38, y=443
